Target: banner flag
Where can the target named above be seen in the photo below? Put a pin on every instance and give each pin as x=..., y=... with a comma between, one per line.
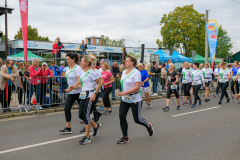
x=23, y=4
x=212, y=34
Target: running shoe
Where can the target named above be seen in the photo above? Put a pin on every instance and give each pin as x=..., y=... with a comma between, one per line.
x=150, y=129
x=166, y=109
x=200, y=102
x=206, y=100
x=219, y=102
x=190, y=102
x=66, y=131
x=228, y=99
x=194, y=105
x=105, y=112
x=178, y=107
x=149, y=106
x=114, y=99
x=123, y=140
x=100, y=108
x=96, y=130
x=85, y=140
x=83, y=130
x=109, y=111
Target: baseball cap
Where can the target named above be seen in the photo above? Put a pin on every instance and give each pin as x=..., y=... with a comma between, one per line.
x=44, y=63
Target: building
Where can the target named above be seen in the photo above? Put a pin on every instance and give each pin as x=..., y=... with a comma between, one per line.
x=94, y=40
x=235, y=57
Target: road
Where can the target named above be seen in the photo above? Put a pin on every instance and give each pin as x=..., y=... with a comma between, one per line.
x=207, y=132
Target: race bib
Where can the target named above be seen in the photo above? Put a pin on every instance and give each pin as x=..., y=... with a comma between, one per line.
x=127, y=98
x=222, y=80
x=194, y=83
x=184, y=81
x=173, y=87
x=206, y=80
x=83, y=95
x=233, y=77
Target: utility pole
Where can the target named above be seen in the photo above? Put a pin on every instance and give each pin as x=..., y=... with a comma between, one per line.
x=6, y=31
x=206, y=37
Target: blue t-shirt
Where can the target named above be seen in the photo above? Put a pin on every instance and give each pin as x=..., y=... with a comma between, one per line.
x=9, y=81
x=144, y=75
x=234, y=70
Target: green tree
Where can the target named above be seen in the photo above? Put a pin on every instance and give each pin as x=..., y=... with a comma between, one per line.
x=224, y=44
x=137, y=55
x=159, y=43
x=32, y=34
x=184, y=27
x=106, y=41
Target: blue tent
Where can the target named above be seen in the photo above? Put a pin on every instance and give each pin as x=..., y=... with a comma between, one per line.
x=163, y=57
x=176, y=57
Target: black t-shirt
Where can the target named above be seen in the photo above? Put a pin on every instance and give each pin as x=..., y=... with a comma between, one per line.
x=171, y=76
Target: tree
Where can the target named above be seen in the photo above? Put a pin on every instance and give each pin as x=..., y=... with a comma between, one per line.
x=32, y=34
x=184, y=27
x=224, y=44
x=106, y=41
x=159, y=43
x=137, y=55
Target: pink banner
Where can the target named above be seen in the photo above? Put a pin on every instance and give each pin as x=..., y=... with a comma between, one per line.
x=23, y=4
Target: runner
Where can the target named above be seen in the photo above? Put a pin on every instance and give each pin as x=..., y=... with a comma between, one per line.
x=208, y=76
x=186, y=82
x=216, y=71
x=72, y=76
x=238, y=76
x=88, y=94
x=234, y=79
x=145, y=84
x=197, y=78
x=131, y=98
x=171, y=84
x=223, y=76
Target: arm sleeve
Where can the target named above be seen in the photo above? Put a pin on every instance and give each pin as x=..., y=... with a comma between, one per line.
x=137, y=76
x=93, y=75
x=50, y=72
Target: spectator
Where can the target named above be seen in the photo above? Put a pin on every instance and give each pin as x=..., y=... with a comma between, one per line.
x=64, y=86
x=148, y=69
x=45, y=74
x=1, y=63
x=115, y=71
x=163, y=75
x=20, y=79
x=52, y=82
x=169, y=61
x=34, y=72
x=9, y=73
x=56, y=49
x=156, y=71
x=56, y=70
x=82, y=47
x=16, y=64
x=59, y=45
x=26, y=79
x=62, y=63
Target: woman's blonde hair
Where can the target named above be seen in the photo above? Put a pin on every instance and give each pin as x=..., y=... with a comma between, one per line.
x=93, y=58
x=201, y=65
x=88, y=60
x=172, y=65
x=148, y=66
x=105, y=65
x=207, y=63
x=186, y=62
x=34, y=62
x=20, y=64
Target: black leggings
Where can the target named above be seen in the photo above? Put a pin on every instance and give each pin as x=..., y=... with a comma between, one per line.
x=186, y=88
x=195, y=92
x=71, y=98
x=106, y=93
x=169, y=92
x=232, y=86
x=223, y=86
x=43, y=91
x=20, y=94
x=94, y=103
x=84, y=110
x=136, y=111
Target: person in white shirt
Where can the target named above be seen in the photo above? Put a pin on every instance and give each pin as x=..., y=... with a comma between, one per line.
x=223, y=80
x=216, y=71
x=197, y=81
x=187, y=82
x=208, y=76
x=131, y=98
x=72, y=76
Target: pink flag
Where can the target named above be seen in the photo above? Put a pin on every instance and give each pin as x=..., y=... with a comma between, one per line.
x=23, y=4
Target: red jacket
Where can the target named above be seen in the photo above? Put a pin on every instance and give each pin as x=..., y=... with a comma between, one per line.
x=34, y=75
x=44, y=74
x=56, y=48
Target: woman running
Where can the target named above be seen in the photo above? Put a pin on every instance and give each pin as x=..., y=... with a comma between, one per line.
x=73, y=77
x=234, y=79
x=197, y=81
x=108, y=80
x=216, y=71
x=237, y=95
x=131, y=98
x=208, y=76
x=187, y=82
x=88, y=94
x=223, y=76
x=171, y=84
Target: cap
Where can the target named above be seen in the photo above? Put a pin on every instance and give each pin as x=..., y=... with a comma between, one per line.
x=44, y=63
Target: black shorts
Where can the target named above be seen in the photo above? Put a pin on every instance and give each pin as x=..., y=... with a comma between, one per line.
x=208, y=84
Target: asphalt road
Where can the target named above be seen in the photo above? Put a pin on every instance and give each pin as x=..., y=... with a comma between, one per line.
x=207, y=132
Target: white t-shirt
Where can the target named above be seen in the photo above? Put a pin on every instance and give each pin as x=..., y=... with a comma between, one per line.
x=224, y=74
x=216, y=71
x=129, y=83
x=238, y=74
x=72, y=77
x=99, y=76
x=197, y=75
x=208, y=73
x=186, y=75
x=87, y=80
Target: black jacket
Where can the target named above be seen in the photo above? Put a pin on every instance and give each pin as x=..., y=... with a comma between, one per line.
x=157, y=71
x=115, y=71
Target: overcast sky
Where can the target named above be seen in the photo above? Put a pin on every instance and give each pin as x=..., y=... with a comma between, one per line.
x=133, y=20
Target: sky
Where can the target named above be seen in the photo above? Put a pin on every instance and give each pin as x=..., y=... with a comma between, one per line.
x=136, y=21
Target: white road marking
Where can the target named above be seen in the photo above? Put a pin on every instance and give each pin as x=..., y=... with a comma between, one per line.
x=177, y=115
x=40, y=144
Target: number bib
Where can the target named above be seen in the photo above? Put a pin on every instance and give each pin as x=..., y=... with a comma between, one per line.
x=194, y=83
x=83, y=95
x=127, y=98
x=184, y=81
x=222, y=80
x=206, y=80
x=173, y=87
x=233, y=77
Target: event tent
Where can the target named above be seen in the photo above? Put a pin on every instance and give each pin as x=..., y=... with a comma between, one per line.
x=20, y=56
x=217, y=61
x=199, y=59
x=163, y=57
x=176, y=58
